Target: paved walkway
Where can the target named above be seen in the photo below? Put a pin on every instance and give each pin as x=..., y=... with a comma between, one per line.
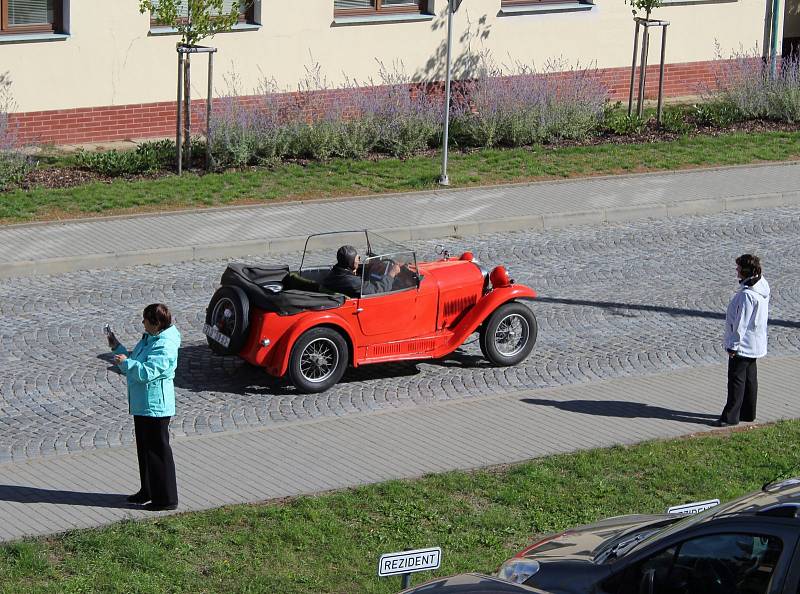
x=42, y=496
x=279, y=228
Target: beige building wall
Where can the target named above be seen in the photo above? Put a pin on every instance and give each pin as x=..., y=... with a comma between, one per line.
x=110, y=57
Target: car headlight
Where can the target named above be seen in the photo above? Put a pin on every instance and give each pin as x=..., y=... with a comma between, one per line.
x=517, y=570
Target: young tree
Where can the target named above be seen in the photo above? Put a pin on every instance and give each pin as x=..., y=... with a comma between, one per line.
x=646, y=5
x=194, y=20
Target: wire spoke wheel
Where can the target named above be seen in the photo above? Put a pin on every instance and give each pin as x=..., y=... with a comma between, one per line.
x=223, y=316
x=508, y=335
x=511, y=335
x=319, y=360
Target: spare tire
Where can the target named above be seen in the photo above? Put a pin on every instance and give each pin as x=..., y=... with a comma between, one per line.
x=228, y=315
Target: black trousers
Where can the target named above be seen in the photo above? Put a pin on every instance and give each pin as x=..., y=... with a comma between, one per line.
x=742, y=390
x=156, y=466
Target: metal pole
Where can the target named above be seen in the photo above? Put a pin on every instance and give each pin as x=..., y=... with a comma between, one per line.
x=773, y=52
x=406, y=583
x=443, y=179
x=208, y=110
x=633, y=66
x=643, y=69
x=661, y=74
x=178, y=142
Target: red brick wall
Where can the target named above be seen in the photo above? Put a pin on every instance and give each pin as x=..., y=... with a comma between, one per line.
x=149, y=120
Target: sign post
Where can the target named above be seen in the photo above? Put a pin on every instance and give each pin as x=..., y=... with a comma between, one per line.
x=443, y=179
x=405, y=563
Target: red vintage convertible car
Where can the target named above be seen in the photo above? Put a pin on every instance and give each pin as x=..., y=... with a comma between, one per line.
x=289, y=324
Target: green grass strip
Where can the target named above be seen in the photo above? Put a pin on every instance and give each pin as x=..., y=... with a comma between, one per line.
x=347, y=178
x=331, y=543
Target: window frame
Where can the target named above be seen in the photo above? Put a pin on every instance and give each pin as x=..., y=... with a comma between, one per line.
x=379, y=9
x=529, y=3
x=56, y=26
x=246, y=17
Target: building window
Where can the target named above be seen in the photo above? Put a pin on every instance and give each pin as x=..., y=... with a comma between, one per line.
x=30, y=16
x=246, y=11
x=368, y=7
x=513, y=3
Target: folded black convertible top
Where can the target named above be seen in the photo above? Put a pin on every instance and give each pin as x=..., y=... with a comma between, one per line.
x=290, y=300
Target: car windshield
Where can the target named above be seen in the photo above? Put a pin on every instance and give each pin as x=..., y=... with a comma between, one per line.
x=320, y=249
x=621, y=546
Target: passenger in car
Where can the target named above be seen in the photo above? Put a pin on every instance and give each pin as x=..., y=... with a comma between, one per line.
x=345, y=275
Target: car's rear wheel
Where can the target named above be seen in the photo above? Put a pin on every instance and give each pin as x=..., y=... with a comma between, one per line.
x=318, y=360
x=509, y=334
x=228, y=312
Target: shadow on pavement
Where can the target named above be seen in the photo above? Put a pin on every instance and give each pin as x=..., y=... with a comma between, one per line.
x=625, y=410
x=22, y=494
x=675, y=311
x=200, y=370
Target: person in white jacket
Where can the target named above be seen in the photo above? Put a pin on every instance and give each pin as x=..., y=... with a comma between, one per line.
x=745, y=341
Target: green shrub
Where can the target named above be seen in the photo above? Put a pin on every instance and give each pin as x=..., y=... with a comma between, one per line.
x=157, y=154
x=624, y=124
x=674, y=120
x=14, y=167
x=716, y=113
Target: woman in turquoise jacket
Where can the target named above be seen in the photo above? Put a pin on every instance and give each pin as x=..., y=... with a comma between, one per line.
x=150, y=370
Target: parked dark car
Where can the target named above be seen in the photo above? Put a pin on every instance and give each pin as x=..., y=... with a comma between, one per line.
x=746, y=546
x=471, y=583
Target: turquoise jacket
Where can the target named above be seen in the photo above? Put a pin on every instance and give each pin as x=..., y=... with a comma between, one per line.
x=150, y=369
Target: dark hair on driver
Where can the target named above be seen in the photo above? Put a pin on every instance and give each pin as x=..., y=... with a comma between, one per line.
x=346, y=256
x=159, y=315
x=750, y=265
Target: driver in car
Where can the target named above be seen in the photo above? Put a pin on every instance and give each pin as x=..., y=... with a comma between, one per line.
x=345, y=276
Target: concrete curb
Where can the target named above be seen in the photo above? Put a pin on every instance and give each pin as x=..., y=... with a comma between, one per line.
x=281, y=245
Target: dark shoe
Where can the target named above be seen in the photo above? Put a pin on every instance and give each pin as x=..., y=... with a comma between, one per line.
x=138, y=498
x=160, y=506
x=721, y=423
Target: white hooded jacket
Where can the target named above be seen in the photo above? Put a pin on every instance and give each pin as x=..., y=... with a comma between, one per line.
x=746, y=320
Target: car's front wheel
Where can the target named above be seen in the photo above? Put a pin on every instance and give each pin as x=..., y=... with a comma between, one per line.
x=318, y=360
x=509, y=334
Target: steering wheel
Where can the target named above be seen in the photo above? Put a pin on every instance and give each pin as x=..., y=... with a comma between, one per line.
x=715, y=576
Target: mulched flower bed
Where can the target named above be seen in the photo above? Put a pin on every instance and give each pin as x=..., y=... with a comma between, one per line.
x=69, y=177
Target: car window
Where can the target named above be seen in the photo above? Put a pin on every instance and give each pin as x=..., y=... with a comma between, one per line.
x=713, y=564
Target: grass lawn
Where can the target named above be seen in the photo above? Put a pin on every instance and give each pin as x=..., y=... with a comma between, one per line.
x=347, y=178
x=331, y=543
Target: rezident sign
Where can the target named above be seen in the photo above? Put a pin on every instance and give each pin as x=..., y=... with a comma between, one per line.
x=409, y=561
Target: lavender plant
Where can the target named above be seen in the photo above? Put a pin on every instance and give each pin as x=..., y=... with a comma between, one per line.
x=528, y=106
x=744, y=86
x=396, y=116
x=14, y=164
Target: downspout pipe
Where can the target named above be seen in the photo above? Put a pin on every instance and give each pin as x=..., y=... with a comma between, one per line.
x=773, y=52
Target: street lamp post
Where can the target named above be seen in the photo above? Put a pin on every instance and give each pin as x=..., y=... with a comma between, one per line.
x=443, y=179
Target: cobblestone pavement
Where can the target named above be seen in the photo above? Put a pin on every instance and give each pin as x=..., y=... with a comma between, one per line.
x=616, y=300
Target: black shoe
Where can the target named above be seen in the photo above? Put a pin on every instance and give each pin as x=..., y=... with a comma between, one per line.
x=721, y=423
x=138, y=498
x=152, y=506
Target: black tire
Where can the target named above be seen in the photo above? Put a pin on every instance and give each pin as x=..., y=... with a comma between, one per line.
x=508, y=336
x=318, y=360
x=229, y=312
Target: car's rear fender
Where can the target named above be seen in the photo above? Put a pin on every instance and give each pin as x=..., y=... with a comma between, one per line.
x=483, y=309
x=278, y=362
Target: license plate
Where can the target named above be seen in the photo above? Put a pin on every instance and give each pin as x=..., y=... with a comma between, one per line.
x=214, y=334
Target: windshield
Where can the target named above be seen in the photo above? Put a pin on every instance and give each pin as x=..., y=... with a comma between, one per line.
x=320, y=249
x=633, y=541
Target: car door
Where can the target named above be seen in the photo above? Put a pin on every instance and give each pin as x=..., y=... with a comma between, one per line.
x=720, y=563
x=388, y=308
